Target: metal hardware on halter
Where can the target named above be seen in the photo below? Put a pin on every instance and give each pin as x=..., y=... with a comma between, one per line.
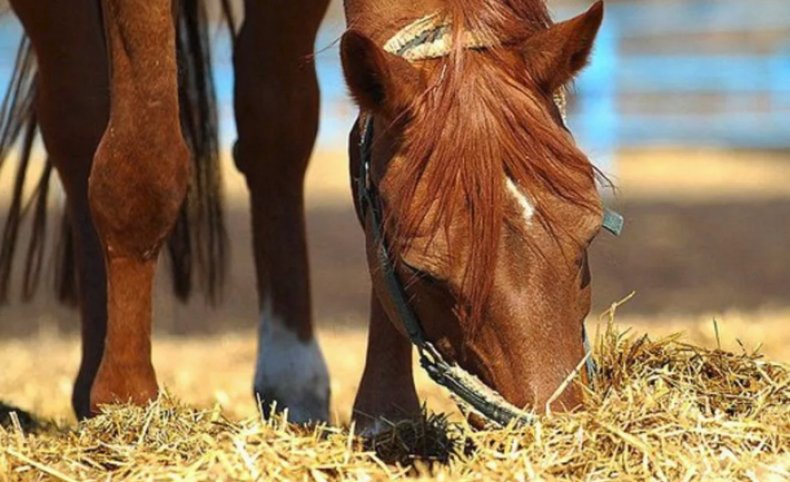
x=613, y=221
x=467, y=388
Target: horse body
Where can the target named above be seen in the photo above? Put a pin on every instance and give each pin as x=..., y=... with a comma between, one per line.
x=488, y=204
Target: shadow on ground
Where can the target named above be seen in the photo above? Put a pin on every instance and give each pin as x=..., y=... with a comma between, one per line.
x=680, y=258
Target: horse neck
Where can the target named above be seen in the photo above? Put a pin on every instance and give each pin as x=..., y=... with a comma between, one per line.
x=381, y=19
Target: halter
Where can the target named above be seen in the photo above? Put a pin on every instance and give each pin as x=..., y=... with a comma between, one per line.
x=470, y=393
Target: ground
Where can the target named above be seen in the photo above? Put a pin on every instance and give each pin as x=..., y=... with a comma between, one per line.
x=665, y=410
x=705, y=249
x=206, y=370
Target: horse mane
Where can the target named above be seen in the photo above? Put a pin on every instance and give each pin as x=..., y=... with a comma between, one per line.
x=198, y=237
x=477, y=124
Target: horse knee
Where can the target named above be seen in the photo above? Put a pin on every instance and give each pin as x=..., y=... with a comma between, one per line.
x=136, y=190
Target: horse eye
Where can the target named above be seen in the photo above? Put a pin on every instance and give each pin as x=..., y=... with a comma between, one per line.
x=426, y=277
x=422, y=275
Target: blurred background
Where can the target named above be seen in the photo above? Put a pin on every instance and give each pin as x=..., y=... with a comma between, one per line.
x=686, y=106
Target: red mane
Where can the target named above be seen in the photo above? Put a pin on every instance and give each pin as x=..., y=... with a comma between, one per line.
x=478, y=122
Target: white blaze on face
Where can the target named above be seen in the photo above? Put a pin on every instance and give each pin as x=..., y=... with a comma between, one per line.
x=527, y=208
x=291, y=371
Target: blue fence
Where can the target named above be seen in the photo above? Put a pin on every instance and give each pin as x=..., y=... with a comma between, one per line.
x=702, y=72
x=721, y=77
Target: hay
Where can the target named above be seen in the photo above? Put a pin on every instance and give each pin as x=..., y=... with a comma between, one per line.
x=661, y=409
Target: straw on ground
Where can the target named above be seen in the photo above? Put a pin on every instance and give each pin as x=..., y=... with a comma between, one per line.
x=663, y=409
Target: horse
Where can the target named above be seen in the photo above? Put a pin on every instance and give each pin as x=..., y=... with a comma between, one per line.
x=121, y=91
x=477, y=205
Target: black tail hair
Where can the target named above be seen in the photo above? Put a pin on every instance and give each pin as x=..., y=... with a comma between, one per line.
x=198, y=239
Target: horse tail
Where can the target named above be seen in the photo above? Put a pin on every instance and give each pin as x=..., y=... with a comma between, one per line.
x=201, y=223
x=198, y=240
x=18, y=129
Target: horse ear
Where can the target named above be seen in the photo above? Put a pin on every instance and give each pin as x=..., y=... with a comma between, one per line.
x=556, y=55
x=379, y=81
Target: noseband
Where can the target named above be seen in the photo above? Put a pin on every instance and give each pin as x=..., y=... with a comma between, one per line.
x=470, y=393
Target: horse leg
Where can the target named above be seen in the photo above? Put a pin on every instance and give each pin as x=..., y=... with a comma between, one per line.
x=137, y=185
x=276, y=100
x=387, y=387
x=72, y=114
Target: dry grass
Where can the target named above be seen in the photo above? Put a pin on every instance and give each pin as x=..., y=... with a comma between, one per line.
x=662, y=409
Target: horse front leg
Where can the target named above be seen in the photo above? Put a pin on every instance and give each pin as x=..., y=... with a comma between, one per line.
x=137, y=185
x=387, y=390
x=276, y=100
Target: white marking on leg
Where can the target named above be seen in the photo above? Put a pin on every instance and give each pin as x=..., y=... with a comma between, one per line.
x=291, y=371
x=528, y=209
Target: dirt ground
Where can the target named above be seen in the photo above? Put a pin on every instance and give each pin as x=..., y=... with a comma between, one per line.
x=706, y=234
x=205, y=370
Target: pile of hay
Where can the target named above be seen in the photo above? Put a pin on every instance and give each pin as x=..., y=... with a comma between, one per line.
x=660, y=410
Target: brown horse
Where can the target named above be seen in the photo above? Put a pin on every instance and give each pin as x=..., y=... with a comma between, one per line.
x=106, y=99
x=487, y=203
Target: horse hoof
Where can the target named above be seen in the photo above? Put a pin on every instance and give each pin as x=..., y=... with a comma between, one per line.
x=123, y=384
x=291, y=374
x=26, y=421
x=305, y=408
